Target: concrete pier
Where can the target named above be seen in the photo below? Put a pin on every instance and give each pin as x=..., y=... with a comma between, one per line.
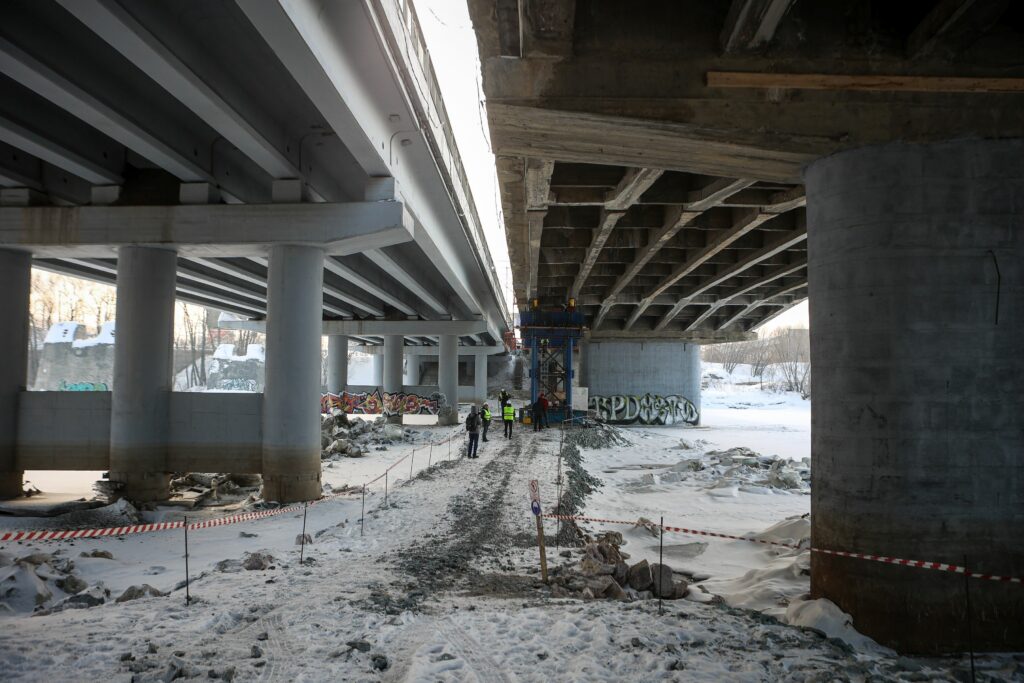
x=642, y=382
x=393, y=363
x=480, y=379
x=15, y=283
x=142, y=372
x=291, y=402
x=448, y=375
x=917, y=293
x=337, y=363
x=412, y=370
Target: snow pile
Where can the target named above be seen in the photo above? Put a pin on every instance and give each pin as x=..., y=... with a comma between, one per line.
x=42, y=583
x=61, y=333
x=106, y=336
x=824, y=617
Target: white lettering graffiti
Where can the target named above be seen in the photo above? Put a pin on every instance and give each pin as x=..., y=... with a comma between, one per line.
x=647, y=409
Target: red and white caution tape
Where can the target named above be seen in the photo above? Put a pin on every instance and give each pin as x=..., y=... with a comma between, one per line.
x=63, y=534
x=920, y=564
x=60, y=535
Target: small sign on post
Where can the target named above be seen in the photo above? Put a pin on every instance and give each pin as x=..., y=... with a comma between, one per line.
x=536, y=509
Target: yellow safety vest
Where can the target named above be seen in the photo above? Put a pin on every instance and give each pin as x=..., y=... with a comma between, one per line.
x=508, y=413
x=487, y=415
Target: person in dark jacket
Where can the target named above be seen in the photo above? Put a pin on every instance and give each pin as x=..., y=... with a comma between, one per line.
x=543, y=410
x=473, y=430
x=537, y=411
x=485, y=418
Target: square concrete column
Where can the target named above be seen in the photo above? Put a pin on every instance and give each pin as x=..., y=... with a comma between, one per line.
x=291, y=397
x=143, y=372
x=393, y=349
x=480, y=378
x=448, y=377
x=337, y=363
x=15, y=285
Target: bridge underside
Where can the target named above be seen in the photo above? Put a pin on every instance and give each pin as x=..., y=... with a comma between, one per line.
x=688, y=169
x=291, y=163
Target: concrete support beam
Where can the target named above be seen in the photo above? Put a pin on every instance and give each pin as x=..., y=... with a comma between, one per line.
x=952, y=25
x=15, y=283
x=393, y=363
x=480, y=379
x=291, y=401
x=142, y=372
x=206, y=230
x=361, y=328
x=337, y=363
x=485, y=350
x=918, y=418
x=448, y=375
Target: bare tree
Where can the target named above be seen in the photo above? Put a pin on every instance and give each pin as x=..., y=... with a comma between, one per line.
x=791, y=360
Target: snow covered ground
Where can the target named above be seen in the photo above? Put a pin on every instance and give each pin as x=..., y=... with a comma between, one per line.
x=443, y=585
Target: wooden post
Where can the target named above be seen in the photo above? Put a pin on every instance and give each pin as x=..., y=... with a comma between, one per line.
x=543, y=551
x=302, y=547
x=188, y=596
x=385, y=488
x=412, y=461
x=661, y=562
x=362, y=514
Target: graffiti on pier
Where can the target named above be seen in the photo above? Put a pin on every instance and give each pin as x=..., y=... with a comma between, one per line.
x=83, y=386
x=380, y=403
x=236, y=384
x=647, y=409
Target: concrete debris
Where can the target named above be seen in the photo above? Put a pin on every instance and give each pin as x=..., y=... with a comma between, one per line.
x=105, y=554
x=603, y=575
x=342, y=436
x=40, y=583
x=257, y=561
x=136, y=592
x=201, y=489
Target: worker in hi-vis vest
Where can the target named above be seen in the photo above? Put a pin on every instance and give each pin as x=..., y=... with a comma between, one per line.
x=485, y=416
x=508, y=416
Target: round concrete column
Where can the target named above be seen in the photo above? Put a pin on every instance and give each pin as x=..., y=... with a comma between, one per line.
x=291, y=398
x=393, y=344
x=377, y=368
x=480, y=378
x=412, y=369
x=15, y=283
x=448, y=376
x=337, y=363
x=917, y=315
x=142, y=372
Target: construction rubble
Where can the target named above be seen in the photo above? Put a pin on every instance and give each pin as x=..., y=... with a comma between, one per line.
x=603, y=573
x=341, y=436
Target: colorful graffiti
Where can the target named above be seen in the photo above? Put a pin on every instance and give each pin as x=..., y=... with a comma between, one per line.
x=379, y=403
x=647, y=409
x=83, y=386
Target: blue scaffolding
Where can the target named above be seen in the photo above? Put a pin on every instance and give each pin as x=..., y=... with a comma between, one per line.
x=552, y=337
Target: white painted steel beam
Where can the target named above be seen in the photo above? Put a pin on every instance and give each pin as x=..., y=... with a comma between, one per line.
x=47, y=150
x=120, y=30
x=350, y=274
x=48, y=83
x=396, y=271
